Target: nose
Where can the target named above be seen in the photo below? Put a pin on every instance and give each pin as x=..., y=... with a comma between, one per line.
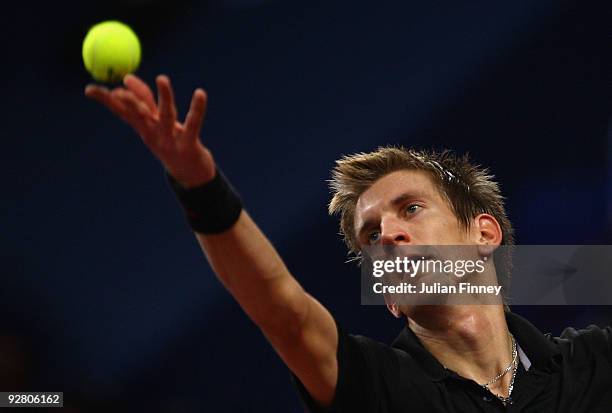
x=393, y=232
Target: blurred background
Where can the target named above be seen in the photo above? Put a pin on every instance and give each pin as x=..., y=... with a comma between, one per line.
x=106, y=295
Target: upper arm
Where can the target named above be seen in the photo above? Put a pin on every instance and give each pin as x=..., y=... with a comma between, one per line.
x=309, y=348
x=335, y=368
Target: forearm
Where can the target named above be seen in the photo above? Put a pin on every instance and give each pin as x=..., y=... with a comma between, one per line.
x=249, y=267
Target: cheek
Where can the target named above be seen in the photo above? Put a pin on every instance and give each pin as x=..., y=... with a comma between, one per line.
x=455, y=233
x=445, y=231
x=436, y=227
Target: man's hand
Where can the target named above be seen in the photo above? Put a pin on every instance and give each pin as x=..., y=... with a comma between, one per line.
x=177, y=145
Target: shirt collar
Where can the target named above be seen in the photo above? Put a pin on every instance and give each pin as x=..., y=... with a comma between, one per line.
x=539, y=348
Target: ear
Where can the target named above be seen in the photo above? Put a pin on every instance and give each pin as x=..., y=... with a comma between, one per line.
x=393, y=308
x=488, y=234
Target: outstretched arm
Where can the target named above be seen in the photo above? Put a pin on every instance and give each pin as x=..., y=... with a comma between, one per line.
x=299, y=328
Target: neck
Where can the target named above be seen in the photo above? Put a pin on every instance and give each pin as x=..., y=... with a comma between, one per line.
x=471, y=340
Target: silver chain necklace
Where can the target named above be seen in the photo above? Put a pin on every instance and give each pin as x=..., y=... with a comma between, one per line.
x=513, y=366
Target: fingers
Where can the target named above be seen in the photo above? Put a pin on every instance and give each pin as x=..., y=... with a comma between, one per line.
x=195, y=116
x=103, y=96
x=141, y=90
x=166, y=106
x=155, y=123
x=137, y=113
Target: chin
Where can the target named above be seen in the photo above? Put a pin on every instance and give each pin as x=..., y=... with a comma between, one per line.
x=418, y=310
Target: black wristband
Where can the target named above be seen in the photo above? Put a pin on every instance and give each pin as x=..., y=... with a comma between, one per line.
x=211, y=208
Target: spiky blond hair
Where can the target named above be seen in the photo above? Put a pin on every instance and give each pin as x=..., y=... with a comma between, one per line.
x=468, y=188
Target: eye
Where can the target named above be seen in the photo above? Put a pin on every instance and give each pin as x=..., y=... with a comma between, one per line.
x=373, y=237
x=412, y=208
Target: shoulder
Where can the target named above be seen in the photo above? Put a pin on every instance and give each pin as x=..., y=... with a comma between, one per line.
x=592, y=340
x=365, y=366
x=375, y=354
x=379, y=353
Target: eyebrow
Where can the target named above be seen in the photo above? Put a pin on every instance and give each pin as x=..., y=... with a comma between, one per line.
x=398, y=200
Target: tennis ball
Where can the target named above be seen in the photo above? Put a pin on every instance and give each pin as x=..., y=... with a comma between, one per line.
x=110, y=51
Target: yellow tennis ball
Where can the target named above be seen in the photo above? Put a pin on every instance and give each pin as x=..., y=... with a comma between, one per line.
x=111, y=50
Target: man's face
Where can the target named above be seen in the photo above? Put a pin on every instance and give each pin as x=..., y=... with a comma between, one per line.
x=405, y=208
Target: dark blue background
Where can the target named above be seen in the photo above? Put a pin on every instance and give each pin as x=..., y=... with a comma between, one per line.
x=106, y=295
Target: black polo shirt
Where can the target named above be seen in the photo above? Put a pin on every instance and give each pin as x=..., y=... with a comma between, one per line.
x=572, y=373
